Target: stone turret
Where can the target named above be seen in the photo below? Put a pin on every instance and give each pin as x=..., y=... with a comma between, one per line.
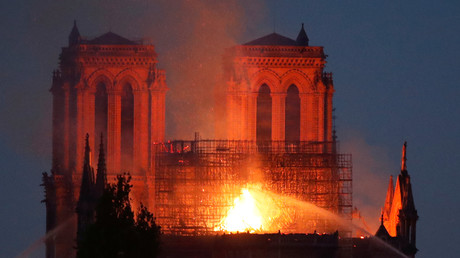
x=302, y=38
x=101, y=178
x=74, y=36
x=399, y=215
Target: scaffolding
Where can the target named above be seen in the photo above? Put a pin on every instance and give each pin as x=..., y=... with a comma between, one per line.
x=197, y=181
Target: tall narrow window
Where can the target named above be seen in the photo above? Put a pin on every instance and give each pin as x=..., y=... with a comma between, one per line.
x=264, y=116
x=127, y=128
x=100, y=115
x=292, y=117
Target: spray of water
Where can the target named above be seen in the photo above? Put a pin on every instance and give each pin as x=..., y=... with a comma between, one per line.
x=270, y=207
x=325, y=214
x=39, y=242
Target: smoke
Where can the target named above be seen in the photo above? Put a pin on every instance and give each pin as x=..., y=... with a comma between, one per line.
x=371, y=172
x=189, y=36
x=202, y=30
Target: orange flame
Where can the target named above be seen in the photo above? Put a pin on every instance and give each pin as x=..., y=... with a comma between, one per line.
x=243, y=216
x=252, y=211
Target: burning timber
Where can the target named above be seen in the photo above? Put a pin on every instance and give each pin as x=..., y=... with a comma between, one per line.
x=197, y=183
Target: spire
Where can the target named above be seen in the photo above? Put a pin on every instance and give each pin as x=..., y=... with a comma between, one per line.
x=101, y=178
x=87, y=161
x=87, y=169
x=406, y=194
x=382, y=232
x=407, y=213
x=381, y=218
x=409, y=198
x=403, y=158
x=389, y=198
x=86, y=201
x=87, y=181
x=74, y=37
x=302, y=38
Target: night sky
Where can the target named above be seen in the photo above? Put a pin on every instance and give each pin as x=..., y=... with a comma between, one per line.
x=396, y=73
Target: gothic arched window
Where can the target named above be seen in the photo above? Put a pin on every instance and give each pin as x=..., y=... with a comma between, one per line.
x=127, y=127
x=292, y=115
x=100, y=112
x=264, y=116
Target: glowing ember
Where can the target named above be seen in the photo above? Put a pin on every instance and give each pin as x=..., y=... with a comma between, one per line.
x=243, y=216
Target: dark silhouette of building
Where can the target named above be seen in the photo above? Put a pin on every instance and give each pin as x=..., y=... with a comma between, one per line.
x=91, y=188
x=399, y=216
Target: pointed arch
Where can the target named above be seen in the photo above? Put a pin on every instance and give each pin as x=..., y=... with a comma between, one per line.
x=300, y=79
x=129, y=76
x=98, y=76
x=267, y=77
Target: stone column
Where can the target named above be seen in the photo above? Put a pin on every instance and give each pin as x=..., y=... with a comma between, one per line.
x=80, y=130
x=304, y=115
x=113, y=132
x=252, y=116
x=321, y=107
x=238, y=116
x=230, y=116
x=153, y=116
x=329, y=108
x=161, y=115
x=157, y=110
x=244, y=117
x=278, y=116
x=239, y=119
x=140, y=132
x=312, y=118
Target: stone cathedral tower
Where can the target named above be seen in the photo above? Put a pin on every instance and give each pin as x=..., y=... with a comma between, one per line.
x=277, y=90
x=108, y=85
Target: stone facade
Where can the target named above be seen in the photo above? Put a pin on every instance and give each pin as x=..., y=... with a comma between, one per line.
x=107, y=86
x=280, y=77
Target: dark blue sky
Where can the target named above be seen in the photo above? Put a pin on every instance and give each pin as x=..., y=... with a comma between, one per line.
x=396, y=73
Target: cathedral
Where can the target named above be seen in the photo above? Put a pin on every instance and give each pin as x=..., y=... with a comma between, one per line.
x=279, y=136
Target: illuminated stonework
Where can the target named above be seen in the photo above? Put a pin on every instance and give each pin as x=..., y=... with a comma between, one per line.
x=111, y=86
x=277, y=90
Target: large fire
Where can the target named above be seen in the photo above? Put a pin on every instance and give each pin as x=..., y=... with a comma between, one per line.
x=252, y=211
x=243, y=216
x=257, y=210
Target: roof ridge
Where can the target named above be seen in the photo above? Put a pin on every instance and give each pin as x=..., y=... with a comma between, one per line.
x=272, y=39
x=110, y=38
